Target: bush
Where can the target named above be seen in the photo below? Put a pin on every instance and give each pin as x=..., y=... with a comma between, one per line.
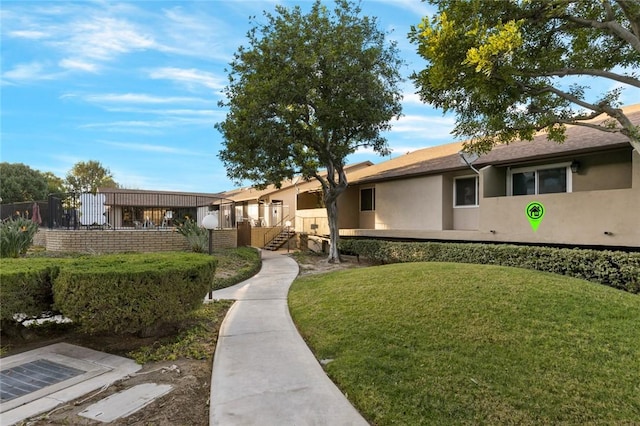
x=133, y=293
x=16, y=236
x=615, y=269
x=26, y=289
x=197, y=236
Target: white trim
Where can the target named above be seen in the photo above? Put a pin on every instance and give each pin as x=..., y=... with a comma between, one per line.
x=566, y=165
x=470, y=206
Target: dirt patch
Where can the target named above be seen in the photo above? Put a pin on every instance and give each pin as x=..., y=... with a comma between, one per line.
x=188, y=401
x=311, y=263
x=186, y=404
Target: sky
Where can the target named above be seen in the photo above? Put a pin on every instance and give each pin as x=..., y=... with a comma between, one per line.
x=135, y=85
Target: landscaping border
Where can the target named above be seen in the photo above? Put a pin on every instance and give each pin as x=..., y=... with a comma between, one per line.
x=616, y=269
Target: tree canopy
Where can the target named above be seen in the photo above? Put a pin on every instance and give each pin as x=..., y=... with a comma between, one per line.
x=309, y=90
x=508, y=69
x=20, y=182
x=88, y=177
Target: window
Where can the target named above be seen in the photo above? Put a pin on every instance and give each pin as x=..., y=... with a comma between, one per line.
x=367, y=199
x=540, y=180
x=465, y=192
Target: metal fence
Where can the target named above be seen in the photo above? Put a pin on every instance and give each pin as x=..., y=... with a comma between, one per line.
x=143, y=210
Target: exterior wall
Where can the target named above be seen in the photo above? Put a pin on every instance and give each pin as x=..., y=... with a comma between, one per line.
x=466, y=218
x=415, y=203
x=603, y=171
x=635, y=173
x=349, y=208
x=312, y=221
x=126, y=241
x=493, y=181
x=580, y=218
x=589, y=216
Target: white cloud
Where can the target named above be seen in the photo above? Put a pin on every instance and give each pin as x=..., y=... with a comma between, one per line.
x=424, y=126
x=141, y=98
x=412, y=99
x=103, y=38
x=77, y=65
x=28, y=34
x=143, y=147
x=28, y=72
x=190, y=77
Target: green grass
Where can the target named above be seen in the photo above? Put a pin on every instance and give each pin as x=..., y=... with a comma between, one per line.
x=235, y=265
x=443, y=343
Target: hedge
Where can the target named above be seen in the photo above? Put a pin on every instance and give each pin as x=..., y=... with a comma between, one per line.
x=616, y=269
x=26, y=287
x=132, y=293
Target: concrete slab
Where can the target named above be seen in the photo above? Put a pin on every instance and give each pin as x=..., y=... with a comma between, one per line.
x=125, y=403
x=100, y=369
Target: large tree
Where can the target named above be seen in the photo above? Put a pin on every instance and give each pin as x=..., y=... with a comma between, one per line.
x=19, y=182
x=55, y=185
x=88, y=176
x=309, y=90
x=509, y=68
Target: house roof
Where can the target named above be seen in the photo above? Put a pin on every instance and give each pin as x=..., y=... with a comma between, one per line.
x=252, y=194
x=579, y=140
x=148, y=198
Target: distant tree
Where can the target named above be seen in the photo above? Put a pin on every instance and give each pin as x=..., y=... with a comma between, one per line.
x=308, y=91
x=88, y=177
x=55, y=184
x=507, y=68
x=19, y=182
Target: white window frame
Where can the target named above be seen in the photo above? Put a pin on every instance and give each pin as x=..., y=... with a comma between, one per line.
x=567, y=167
x=373, y=201
x=477, y=203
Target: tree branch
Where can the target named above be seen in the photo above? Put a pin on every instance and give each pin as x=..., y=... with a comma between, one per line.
x=567, y=96
x=628, y=10
x=589, y=71
x=611, y=26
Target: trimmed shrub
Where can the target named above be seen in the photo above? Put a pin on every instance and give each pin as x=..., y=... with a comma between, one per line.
x=26, y=287
x=132, y=293
x=615, y=269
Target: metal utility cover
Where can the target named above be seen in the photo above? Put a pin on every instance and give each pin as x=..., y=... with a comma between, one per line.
x=125, y=403
x=32, y=376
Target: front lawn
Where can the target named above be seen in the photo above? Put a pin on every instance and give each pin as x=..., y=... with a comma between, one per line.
x=444, y=343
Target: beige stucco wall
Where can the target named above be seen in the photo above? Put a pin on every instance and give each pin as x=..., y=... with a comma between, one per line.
x=410, y=204
x=575, y=218
x=349, y=208
x=466, y=218
x=306, y=218
x=603, y=171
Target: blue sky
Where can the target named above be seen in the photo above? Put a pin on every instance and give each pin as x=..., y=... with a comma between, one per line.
x=135, y=85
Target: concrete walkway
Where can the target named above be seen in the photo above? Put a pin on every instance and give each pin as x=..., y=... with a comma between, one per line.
x=263, y=372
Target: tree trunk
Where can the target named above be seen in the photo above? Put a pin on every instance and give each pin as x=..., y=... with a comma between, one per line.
x=334, y=231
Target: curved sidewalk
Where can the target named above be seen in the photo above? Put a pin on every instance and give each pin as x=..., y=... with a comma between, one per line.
x=263, y=371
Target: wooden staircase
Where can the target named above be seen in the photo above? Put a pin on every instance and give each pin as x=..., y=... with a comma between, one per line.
x=280, y=239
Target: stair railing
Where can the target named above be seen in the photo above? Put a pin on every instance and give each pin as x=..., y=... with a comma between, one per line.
x=272, y=233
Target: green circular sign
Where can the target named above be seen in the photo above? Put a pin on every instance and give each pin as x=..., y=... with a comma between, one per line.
x=535, y=213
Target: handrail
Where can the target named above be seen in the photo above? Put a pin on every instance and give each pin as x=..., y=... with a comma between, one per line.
x=275, y=231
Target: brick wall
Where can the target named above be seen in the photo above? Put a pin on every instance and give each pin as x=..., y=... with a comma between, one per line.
x=97, y=241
